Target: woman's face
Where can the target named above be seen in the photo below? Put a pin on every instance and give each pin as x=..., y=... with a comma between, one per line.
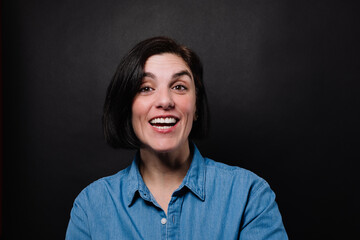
x=163, y=110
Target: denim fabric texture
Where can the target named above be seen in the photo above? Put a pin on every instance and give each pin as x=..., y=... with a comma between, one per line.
x=214, y=201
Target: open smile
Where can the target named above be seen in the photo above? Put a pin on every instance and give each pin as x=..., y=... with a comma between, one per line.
x=164, y=123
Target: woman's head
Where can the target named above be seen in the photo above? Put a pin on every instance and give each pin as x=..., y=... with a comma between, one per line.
x=126, y=85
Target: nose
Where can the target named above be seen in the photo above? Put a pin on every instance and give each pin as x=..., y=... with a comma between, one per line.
x=164, y=99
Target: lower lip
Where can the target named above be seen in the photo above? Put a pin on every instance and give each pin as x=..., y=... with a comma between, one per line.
x=165, y=130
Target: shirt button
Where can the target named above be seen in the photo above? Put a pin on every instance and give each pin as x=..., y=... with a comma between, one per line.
x=163, y=221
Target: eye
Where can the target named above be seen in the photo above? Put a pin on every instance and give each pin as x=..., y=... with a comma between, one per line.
x=146, y=89
x=180, y=88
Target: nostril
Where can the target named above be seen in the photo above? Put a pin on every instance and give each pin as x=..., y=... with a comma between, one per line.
x=165, y=103
x=164, y=98
x=166, y=106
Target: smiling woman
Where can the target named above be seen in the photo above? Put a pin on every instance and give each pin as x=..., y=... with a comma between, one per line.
x=156, y=103
x=165, y=107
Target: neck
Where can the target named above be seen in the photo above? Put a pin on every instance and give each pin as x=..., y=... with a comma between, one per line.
x=166, y=170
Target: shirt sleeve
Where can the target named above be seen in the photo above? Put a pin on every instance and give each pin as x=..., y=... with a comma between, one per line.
x=78, y=227
x=262, y=219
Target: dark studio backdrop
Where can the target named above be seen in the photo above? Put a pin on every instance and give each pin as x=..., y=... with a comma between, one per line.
x=282, y=82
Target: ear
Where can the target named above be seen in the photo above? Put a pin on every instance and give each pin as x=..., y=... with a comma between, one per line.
x=196, y=116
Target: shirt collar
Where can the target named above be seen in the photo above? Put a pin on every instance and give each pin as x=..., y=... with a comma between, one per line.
x=135, y=182
x=194, y=179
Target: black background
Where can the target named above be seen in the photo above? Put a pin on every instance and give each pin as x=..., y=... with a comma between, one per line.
x=282, y=82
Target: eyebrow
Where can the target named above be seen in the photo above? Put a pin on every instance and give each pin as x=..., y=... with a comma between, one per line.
x=174, y=76
x=182, y=73
x=148, y=74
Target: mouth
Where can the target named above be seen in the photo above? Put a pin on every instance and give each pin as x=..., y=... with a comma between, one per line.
x=163, y=123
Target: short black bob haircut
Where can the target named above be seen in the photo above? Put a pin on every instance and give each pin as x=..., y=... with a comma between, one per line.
x=125, y=84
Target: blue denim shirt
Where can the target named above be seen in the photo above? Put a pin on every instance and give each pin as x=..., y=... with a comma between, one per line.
x=214, y=201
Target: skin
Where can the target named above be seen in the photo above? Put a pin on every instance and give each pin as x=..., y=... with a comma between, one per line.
x=168, y=89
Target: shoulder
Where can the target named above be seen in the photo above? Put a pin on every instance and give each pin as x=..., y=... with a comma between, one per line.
x=231, y=171
x=247, y=195
x=242, y=178
x=103, y=188
x=96, y=201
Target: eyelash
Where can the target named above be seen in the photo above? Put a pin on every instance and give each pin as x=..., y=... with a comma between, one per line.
x=183, y=88
x=177, y=87
x=145, y=89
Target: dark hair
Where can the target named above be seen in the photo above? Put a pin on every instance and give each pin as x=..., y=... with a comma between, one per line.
x=125, y=85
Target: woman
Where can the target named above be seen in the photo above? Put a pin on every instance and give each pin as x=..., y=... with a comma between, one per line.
x=155, y=103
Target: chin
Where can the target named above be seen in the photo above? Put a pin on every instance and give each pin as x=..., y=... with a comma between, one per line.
x=166, y=146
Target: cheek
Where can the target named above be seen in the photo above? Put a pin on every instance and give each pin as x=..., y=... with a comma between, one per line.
x=188, y=105
x=138, y=112
x=139, y=106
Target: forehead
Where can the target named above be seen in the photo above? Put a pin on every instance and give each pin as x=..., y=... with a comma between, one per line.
x=165, y=63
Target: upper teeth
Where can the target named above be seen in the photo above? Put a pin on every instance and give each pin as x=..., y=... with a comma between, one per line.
x=163, y=120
